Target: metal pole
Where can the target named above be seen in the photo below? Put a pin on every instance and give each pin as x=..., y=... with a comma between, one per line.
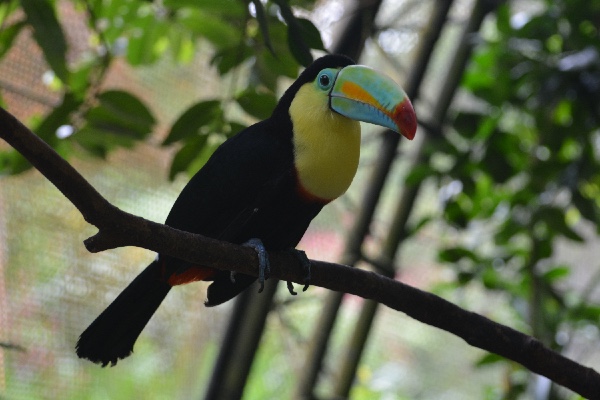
x=397, y=232
x=240, y=342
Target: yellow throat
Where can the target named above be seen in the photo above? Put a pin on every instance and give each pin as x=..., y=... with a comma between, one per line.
x=326, y=144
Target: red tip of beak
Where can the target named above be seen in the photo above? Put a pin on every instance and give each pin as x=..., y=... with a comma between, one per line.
x=406, y=119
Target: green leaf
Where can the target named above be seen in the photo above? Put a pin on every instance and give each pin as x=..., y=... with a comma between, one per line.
x=182, y=45
x=220, y=33
x=467, y=123
x=8, y=35
x=563, y=113
x=230, y=8
x=46, y=129
x=120, y=119
x=100, y=140
x=420, y=224
x=188, y=152
x=127, y=106
x=589, y=312
x=298, y=46
x=145, y=46
x=207, y=151
x=310, y=34
x=491, y=279
x=48, y=34
x=455, y=254
x=508, y=230
x=489, y=359
x=503, y=15
x=269, y=67
x=124, y=112
x=464, y=277
x=419, y=174
x=193, y=119
x=556, y=274
x=235, y=128
x=478, y=76
x=263, y=24
x=455, y=214
x=495, y=159
x=7, y=8
x=13, y=163
x=228, y=58
x=587, y=207
x=555, y=220
x=257, y=104
x=300, y=33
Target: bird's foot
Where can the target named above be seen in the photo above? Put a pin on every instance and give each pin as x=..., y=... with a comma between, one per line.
x=264, y=267
x=305, y=262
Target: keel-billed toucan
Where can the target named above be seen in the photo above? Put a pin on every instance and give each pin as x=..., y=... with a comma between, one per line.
x=267, y=182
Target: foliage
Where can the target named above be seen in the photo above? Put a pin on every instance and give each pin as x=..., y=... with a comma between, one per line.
x=139, y=32
x=520, y=169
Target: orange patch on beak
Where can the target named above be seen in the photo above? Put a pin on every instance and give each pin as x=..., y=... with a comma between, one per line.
x=354, y=91
x=403, y=114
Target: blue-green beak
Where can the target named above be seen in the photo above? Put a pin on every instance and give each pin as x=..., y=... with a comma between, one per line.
x=363, y=94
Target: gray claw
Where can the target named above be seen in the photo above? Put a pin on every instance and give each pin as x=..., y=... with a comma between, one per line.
x=264, y=267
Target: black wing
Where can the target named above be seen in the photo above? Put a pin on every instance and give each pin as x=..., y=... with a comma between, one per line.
x=223, y=196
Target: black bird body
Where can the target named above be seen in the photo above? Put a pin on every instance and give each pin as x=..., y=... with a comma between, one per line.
x=268, y=182
x=256, y=196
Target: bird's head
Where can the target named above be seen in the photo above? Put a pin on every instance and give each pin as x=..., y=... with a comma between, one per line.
x=354, y=91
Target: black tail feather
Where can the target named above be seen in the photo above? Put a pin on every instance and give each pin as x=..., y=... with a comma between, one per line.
x=223, y=289
x=112, y=335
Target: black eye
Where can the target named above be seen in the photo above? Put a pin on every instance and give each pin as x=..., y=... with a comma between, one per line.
x=324, y=80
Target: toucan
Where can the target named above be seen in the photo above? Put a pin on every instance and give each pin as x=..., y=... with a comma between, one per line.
x=262, y=186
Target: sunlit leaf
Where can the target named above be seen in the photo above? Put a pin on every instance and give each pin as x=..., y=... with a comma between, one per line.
x=142, y=46
x=220, y=33
x=182, y=45
x=230, y=8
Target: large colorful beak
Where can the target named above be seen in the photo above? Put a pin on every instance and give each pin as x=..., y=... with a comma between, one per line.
x=363, y=94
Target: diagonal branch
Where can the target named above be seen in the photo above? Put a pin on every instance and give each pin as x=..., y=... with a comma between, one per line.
x=118, y=228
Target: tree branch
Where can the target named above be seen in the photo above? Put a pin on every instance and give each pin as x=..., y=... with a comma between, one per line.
x=118, y=228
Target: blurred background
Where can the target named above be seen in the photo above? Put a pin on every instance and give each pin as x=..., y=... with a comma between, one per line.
x=494, y=206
